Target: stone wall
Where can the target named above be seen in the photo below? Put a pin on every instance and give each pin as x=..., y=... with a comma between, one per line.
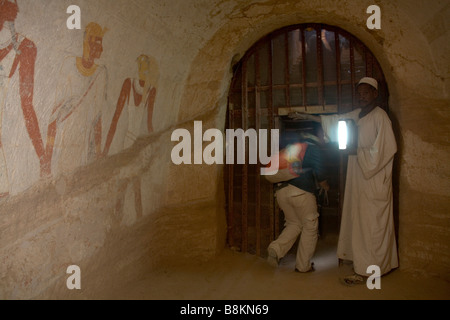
x=105, y=209
x=411, y=47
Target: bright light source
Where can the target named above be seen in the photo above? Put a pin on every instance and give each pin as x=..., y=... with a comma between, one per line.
x=342, y=134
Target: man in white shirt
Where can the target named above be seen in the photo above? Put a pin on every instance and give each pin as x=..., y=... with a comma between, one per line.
x=367, y=234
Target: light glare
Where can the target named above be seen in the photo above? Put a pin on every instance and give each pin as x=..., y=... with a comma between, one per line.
x=342, y=135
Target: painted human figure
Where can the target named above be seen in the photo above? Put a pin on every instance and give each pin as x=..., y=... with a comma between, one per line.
x=138, y=96
x=18, y=56
x=75, y=129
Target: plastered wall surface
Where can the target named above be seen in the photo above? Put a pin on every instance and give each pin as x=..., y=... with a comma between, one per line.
x=87, y=177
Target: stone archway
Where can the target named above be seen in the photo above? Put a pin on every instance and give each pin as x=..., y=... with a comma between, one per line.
x=309, y=68
x=413, y=71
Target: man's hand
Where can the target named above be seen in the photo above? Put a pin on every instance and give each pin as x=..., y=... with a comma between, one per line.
x=351, y=151
x=304, y=116
x=324, y=185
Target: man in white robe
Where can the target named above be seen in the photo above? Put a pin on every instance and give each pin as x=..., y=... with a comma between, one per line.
x=367, y=234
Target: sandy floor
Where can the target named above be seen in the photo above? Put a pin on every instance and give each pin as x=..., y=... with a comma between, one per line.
x=237, y=276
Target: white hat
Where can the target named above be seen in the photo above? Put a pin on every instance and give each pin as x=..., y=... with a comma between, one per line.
x=370, y=81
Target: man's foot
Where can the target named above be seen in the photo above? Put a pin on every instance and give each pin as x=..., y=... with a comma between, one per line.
x=353, y=280
x=272, y=257
x=311, y=269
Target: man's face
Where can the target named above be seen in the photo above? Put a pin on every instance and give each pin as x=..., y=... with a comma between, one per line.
x=144, y=69
x=366, y=95
x=95, y=47
x=8, y=12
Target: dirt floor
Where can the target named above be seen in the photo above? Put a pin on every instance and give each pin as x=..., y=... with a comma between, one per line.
x=238, y=276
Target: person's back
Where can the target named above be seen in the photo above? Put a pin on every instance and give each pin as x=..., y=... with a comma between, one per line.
x=297, y=200
x=311, y=170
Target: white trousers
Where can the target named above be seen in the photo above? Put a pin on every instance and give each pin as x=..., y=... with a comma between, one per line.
x=301, y=218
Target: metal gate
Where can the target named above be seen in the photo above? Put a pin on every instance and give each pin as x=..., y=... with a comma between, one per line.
x=309, y=68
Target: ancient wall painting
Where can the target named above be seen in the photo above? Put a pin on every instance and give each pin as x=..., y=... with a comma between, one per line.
x=128, y=189
x=135, y=104
x=17, y=58
x=135, y=108
x=74, y=135
x=77, y=130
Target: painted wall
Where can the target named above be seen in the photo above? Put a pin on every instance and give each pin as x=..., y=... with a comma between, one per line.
x=79, y=187
x=53, y=96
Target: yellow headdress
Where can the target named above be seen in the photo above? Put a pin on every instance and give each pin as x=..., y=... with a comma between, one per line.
x=92, y=30
x=148, y=69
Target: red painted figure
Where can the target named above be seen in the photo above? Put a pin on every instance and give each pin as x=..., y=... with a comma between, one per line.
x=137, y=97
x=18, y=55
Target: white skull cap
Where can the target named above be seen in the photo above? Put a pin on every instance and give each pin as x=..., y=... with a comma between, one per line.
x=370, y=81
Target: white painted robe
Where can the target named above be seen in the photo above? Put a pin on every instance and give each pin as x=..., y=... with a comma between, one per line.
x=5, y=68
x=19, y=165
x=137, y=114
x=81, y=100
x=367, y=234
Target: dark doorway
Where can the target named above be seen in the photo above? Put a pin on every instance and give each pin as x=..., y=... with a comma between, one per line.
x=309, y=68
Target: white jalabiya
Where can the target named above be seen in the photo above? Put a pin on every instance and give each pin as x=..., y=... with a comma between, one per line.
x=367, y=234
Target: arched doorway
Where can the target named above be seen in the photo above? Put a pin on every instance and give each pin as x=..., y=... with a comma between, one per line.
x=310, y=68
